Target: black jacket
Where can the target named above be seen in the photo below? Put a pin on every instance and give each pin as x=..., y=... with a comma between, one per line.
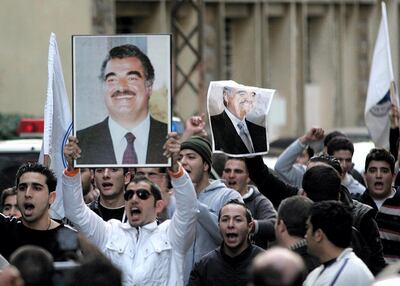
x=218, y=269
x=267, y=183
x=364, y=217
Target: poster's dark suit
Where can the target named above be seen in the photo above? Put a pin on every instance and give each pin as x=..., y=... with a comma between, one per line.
x=97, y=148
x=226, y=138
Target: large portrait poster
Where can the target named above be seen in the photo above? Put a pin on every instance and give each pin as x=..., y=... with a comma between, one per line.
x=121, y=99
x=238, y=117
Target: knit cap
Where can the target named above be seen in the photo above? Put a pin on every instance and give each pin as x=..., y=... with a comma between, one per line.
x=201, y=146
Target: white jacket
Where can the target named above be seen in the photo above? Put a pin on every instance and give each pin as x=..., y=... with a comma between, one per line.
x=149, y=255
x=347, y=270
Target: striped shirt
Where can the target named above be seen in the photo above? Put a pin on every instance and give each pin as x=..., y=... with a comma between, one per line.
x=388, y=220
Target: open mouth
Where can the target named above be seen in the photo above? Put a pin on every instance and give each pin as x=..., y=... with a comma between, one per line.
x=107, y=185
x=378, y=185
x=231, y=183
x=231, y=235
x=135, y=211
x=28, y=208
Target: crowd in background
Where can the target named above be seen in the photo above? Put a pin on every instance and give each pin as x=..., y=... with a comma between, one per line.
x=313, y=220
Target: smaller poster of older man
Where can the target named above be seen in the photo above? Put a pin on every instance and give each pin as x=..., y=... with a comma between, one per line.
x=121, y=103
x=238, y=117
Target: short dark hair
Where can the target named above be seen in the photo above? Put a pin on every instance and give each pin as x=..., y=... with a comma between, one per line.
x=332, y=135
x=124, y=170
x=335, y=220
x=51, y=180
x=294, y=212
x=154, y=189
x=126, y=51
x=328, y=160
x=35, y=265
x=340, y=143
x=5, y=194
x=321, y=183
x=379, y=154
x=249, y=216
x=242, y=159
x=95, y=270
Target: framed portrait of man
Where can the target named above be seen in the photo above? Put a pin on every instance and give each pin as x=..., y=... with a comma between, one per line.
x=121, y=99
x=238, y=118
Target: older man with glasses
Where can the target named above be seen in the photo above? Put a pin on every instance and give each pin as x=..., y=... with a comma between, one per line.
x=148, y=253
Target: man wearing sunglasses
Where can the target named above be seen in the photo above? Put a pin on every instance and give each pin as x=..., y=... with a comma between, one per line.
x=160, y=177
x=147, y=253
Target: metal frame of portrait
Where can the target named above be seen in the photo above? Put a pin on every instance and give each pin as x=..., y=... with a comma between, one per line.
x=88, y=103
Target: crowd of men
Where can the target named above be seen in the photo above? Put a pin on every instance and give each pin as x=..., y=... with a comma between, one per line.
x=180, y=226
x=312, y=221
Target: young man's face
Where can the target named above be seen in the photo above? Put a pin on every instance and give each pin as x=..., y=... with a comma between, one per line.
x=193, y=163
x=10, y=207
x=33, y=198
x=344, y=157
x=240, y=102
x=140, y=211
x=111, y=181
x=234, y=227
x=236, y=176
x=126, y=89
x=379, y=179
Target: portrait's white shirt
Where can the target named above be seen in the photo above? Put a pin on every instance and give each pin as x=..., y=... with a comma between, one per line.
x=141, y=132
x=235, y=122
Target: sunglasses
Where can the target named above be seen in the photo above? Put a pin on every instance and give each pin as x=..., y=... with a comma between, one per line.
x=141, y=194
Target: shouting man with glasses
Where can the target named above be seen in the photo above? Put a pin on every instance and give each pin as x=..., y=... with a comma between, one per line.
x=160, y=177
x=147, y=253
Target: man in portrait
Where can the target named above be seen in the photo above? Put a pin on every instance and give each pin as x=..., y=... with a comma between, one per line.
x=129, y=134
x=232, y=132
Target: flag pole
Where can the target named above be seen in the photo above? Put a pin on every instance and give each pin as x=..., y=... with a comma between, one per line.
x=393, y=97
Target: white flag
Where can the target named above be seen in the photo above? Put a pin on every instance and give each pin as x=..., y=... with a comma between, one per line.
x=57, y=124
x=378, y=102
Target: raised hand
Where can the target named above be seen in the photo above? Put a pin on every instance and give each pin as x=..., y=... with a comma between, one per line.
x=72, y=151
x=312, y=135
x=194, y=126
x=172, y=148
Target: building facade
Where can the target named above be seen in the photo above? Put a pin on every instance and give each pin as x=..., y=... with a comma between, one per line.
x=317, y=54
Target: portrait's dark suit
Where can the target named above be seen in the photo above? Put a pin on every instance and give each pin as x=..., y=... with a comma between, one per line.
x=96, y=144
x=226, y=138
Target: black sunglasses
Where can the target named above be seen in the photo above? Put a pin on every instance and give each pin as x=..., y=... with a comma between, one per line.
x=141, y=194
